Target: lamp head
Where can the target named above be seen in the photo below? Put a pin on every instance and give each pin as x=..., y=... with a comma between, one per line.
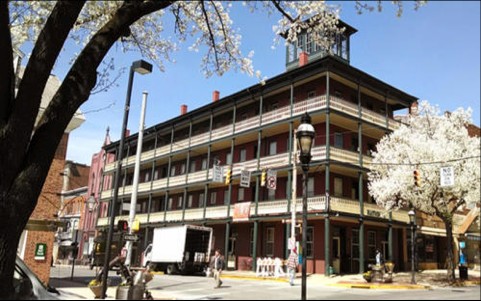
x=141, y=67
x=305, y=137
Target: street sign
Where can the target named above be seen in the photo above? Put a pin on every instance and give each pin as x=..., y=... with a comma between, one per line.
x=131, y=237
x=245, y=178
x=447, y=176
x=218, y=175
x=271, y=179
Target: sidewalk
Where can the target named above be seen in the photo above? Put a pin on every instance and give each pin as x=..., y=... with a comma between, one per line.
x=430, y=279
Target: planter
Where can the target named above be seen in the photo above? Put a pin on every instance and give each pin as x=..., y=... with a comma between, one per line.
x=97, y=290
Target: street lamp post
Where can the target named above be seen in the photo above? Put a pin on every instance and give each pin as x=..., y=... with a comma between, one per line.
x=412, y=221
x=141, y=67
x=305, y=137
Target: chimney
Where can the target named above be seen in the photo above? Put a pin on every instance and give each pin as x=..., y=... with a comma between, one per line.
x=215, y=96
x=413, y=110
x=303, y=58
x=183, y=109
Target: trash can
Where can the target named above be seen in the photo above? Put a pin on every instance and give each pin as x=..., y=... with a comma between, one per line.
x=463, y=272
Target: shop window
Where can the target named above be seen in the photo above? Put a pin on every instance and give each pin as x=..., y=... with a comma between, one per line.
x=371, y=245
x=270, y=241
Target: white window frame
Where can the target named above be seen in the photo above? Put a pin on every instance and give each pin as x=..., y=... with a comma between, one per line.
x=180, y=201
x=201, y=200
x=242, y=155
x=192, y=166
x=172, y=171
x=170, y=203
x=241, y=195
x=338, y=186
x=190, y=201
x=273, y=148
x=204, y=164
x=213, y=197
x=228, y=158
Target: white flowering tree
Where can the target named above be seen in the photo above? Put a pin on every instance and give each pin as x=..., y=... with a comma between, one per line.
x=27, y=148
x=426, y=143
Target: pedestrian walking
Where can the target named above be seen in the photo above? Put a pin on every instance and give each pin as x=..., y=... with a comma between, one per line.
x=217, y=265
x=292, y=263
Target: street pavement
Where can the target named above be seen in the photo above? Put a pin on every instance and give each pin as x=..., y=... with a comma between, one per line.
x=246, y=286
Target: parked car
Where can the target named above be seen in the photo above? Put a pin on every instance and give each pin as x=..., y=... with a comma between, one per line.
x=28, y=287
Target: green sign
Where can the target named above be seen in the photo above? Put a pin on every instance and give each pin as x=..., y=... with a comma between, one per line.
x=40, y=251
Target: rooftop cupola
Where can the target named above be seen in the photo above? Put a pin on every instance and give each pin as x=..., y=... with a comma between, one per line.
x=306, y=50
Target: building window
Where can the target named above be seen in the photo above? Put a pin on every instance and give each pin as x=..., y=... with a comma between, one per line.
x=270, y=241
x=310, y=242
x=226, y=196
x=273, y=148
x=371, y=245
x=190, y=201
x=204, y=164
x=172, y=171
x=180, y=202
x=310, y=187
x=338, y=142
x=182, y=169
x=242, y=155
x=309, y=43
x=355, y=244
x=192, y=166
x=147, y=177
x=271, y=195
x=213, y=196
x=240, y=195
x=201, y=200
x=156, y=174
x=338, y=187
x=169, y=205
x=228, y=159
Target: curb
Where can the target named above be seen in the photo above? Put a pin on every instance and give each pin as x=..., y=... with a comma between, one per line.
x=226, y=276
x=381, y=286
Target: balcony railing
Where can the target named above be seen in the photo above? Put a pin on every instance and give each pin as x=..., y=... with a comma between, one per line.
x=271, y=208
x=284, y=113
x=274, y=161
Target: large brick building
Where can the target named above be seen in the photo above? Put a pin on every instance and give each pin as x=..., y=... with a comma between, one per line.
x=253, y=129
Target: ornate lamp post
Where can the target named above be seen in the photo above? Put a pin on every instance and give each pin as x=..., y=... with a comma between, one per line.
x=141, y=67
x=412, y=222
x=305, y=137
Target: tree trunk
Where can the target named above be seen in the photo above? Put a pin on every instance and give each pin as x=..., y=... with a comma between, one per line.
x=450, y=254
x=8, y=252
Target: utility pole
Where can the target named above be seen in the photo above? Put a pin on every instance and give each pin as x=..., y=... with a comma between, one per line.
x=135, y=185
x=294, y=193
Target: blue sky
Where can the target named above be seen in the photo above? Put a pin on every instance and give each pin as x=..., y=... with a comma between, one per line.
x=432, y=53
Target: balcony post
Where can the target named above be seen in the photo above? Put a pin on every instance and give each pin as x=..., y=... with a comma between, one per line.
x=361, y=224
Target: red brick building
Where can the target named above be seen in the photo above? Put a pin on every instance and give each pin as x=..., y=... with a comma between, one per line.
x=253, y=129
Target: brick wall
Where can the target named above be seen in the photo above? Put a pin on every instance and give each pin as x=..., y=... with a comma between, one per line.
x=46, y=209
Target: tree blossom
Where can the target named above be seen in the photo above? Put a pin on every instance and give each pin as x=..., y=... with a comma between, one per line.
x=427, y=142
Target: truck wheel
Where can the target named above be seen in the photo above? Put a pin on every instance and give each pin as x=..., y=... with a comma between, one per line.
x=170, y=270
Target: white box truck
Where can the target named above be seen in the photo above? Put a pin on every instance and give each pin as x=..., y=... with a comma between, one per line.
x=179, y=249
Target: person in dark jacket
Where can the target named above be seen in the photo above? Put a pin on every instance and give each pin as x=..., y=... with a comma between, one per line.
x=217, y=265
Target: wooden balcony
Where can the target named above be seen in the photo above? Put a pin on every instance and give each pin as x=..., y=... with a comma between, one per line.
x=270, y=208
x=274, y=161
x=284, y=113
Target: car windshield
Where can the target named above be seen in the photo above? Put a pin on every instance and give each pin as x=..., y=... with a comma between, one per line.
x=22, y=268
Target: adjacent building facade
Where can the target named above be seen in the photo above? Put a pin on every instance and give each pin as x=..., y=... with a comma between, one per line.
x=252, y=130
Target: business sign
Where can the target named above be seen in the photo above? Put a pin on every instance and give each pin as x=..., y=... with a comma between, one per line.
x=218, y=176
x=242, y=211
x=245, y=179
x=447, y=176
x=40, y=251
x=131, y=237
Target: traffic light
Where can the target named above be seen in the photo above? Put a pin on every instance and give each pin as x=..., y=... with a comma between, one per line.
x=228, y=176
x=136, y=226
x=417, y=178
x=263, y=177
x=122, y=225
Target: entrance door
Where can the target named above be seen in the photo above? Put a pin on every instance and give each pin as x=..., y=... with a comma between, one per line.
x=355, y=251
x=336, y=254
